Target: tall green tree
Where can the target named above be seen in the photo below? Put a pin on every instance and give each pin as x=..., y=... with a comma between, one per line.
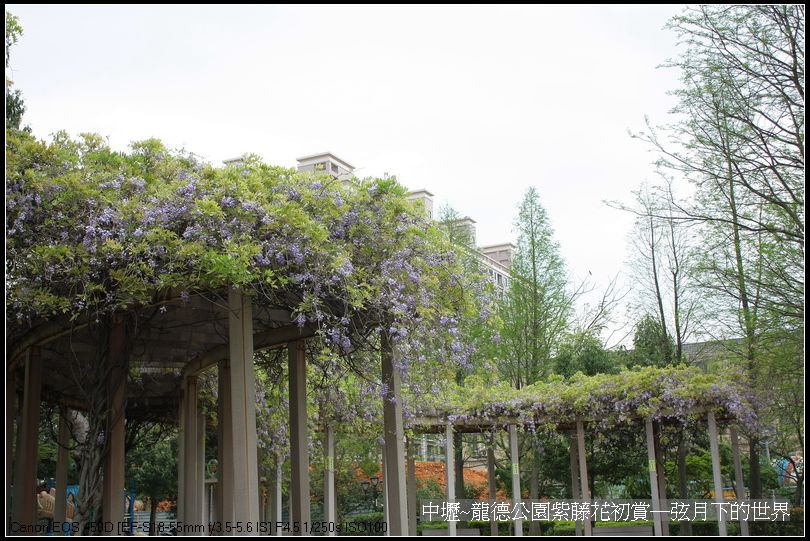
x=652, y=346
x=583, y=352
x=739, y=139
x=536, y=312
x=153, y=467
x=661, y=266
x=538, y=304
x=15, y=106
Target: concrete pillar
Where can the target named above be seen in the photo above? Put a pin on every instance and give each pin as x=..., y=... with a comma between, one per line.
x=211, y=501
x=716, y=475
x=662, y=478
x=25, y=463
x=224, y=454
x=62, y=463
x=394, y=441
x=200, y=487
x=191, y=503
x=275, y=497
x=516, y=496
x=574, y=464
x=424, y=447
x=262, y=503
x=449, y=454
x=329, y=497
x=411, y=482
x=181, y=455
x=299, y=449
x=11, y=412
x=491, y=483
x=653, y=470
x=386, y=513
x=113, y=502
x=738, y=473
x=583, y=472
x=244, y=439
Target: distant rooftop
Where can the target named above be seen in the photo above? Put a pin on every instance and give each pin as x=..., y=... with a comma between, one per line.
x=501, y=245
x=416, y=192
x=322, y=155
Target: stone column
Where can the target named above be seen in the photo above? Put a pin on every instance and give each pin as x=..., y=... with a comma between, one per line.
x=224, y=434
x=716, y=475
x=62, y=463
x=275, y=497
x=738, y=473
x=411, y=488
x=200, y=487
x=451, y=473
x=329, y=499
x=181, y=455
x=574, y=464
x=583, y=472
x=191, y=502
x=244, y=440
x=491, y=482
x=25, y=463
x=11, y=413
x=299, y=453
x=516, y=497
x=113, y=502
x=662, y=478
x=653, y=470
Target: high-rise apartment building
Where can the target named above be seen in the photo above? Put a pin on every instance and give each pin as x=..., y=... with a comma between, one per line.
x=496, y=259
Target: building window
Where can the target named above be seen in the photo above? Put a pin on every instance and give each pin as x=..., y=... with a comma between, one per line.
x=334, y=168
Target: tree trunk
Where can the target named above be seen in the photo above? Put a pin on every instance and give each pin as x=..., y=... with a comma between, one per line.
x=683, y=493
x=458, y=451
x=749, y=326
x=753, y=466
x=534, y=488
x=153, y=515
x=658, y=296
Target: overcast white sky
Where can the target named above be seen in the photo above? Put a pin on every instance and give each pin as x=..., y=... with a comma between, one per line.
x=475, y=104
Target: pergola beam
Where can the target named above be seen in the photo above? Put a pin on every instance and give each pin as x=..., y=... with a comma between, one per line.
x=262, y=340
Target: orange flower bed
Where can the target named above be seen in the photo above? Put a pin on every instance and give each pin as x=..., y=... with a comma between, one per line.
x=435, y=471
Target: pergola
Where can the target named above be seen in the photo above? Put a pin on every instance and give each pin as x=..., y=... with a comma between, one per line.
x=219, y=328
x=487, y=418
x=224, y=329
